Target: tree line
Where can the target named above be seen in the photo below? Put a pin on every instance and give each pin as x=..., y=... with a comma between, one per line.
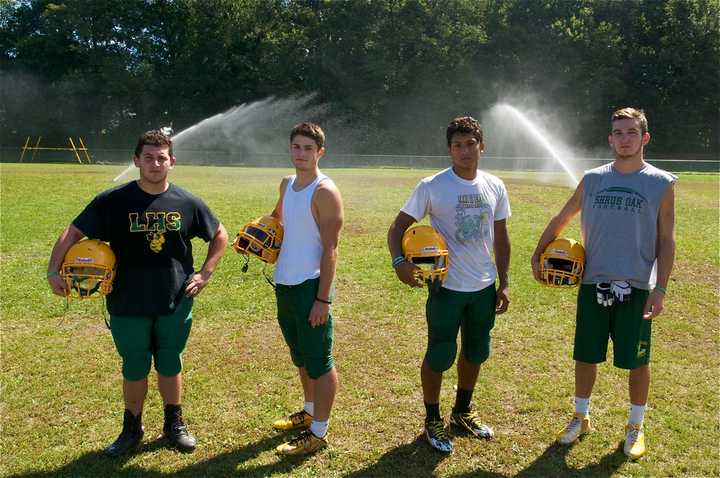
x=389, y=70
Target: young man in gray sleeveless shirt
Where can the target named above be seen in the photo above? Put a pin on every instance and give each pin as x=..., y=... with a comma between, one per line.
x=627, y=224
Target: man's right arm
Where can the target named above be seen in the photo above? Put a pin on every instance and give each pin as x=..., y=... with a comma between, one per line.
x=556, y=226
x=67, y=238
x=404, y=270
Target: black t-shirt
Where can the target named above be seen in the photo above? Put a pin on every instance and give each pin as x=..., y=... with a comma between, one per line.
x=150, y=235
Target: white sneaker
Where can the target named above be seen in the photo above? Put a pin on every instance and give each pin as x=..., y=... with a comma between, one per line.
x=634, y=441
x=578, y=426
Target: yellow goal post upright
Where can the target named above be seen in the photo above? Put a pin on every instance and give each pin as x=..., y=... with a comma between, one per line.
x=77, y=147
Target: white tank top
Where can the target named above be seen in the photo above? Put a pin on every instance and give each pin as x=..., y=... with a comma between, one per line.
x=301, y=249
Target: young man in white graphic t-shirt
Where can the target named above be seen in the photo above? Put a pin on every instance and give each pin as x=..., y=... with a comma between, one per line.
x=469, y=208
x=311, y=210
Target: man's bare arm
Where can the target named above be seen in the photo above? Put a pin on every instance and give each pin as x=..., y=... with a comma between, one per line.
x=665, y=254
x=328, y=213
x=67, y=238
x=405, y=270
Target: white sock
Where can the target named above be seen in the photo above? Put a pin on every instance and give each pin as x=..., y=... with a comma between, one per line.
x=309, y=407
x=637, y=414
x=582, y=405
x=319, y=429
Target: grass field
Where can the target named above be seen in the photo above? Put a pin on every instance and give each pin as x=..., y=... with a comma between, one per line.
x=60, y=395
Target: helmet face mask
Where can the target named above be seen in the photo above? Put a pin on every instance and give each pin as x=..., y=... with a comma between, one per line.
x=432, y=268
x=562, y=263
x=261, y=238
x=425, y=248
x=88, y=269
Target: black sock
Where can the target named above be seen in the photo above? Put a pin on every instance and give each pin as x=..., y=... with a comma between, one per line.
x=432, y=411
x=173, y=415
x=462, y=401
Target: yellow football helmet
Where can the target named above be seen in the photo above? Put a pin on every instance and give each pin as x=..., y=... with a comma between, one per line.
x=261, y=238
x=88, y=267
x=425, y=248
x=562, y=263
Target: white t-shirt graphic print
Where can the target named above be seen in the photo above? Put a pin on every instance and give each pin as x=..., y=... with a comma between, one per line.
x=464, y=213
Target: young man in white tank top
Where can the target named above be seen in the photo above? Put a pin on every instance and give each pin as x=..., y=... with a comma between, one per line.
x=311, y=210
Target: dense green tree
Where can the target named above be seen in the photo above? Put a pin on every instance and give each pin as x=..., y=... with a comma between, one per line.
x=392, y=71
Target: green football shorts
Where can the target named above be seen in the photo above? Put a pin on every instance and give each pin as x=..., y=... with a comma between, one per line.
x=310, y=347
x=622, y=322
x=448, y=311
x=140, y=338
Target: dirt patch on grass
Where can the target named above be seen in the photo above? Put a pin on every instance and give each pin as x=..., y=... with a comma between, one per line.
x=705, y=274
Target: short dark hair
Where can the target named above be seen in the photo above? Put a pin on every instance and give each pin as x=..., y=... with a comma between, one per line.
x=153, y=137
x=630, y=113
x=311, y=130
x=464, y=125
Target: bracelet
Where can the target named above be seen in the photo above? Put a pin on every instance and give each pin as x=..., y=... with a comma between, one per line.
x=328, y=302
x=397, y=261
x=52, y=274
x=662, y=290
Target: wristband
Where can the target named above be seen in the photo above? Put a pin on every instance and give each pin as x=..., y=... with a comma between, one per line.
x=397, y=261
x=52, y=274
x=328, y=302
x=662, y=290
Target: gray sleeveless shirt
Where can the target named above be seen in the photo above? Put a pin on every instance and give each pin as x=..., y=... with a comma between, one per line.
x=619, y=223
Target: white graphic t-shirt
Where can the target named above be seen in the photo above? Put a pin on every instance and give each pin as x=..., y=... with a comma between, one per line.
x=464, y=213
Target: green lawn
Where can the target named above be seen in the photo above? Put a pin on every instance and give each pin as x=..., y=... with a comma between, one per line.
x=60, y=380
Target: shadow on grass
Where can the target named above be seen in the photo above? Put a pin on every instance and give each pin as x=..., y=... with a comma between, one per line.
x=416, y=459
x=553, y=462
x=96, y=464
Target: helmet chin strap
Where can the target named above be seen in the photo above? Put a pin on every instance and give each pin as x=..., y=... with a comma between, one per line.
x=67, y=308
x=264, y=270
x=269, y=280
x=104, y=308
x=434, y=285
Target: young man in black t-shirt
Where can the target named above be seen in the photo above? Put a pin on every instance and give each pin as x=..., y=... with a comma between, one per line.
x=149, y=224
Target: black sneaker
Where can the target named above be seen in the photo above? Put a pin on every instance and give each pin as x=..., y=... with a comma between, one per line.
x=470, y=422
x=437, y=436
x=176, y=431
x=130, y=437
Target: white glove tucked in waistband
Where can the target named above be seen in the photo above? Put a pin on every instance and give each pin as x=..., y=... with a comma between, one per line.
x=621, y=290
